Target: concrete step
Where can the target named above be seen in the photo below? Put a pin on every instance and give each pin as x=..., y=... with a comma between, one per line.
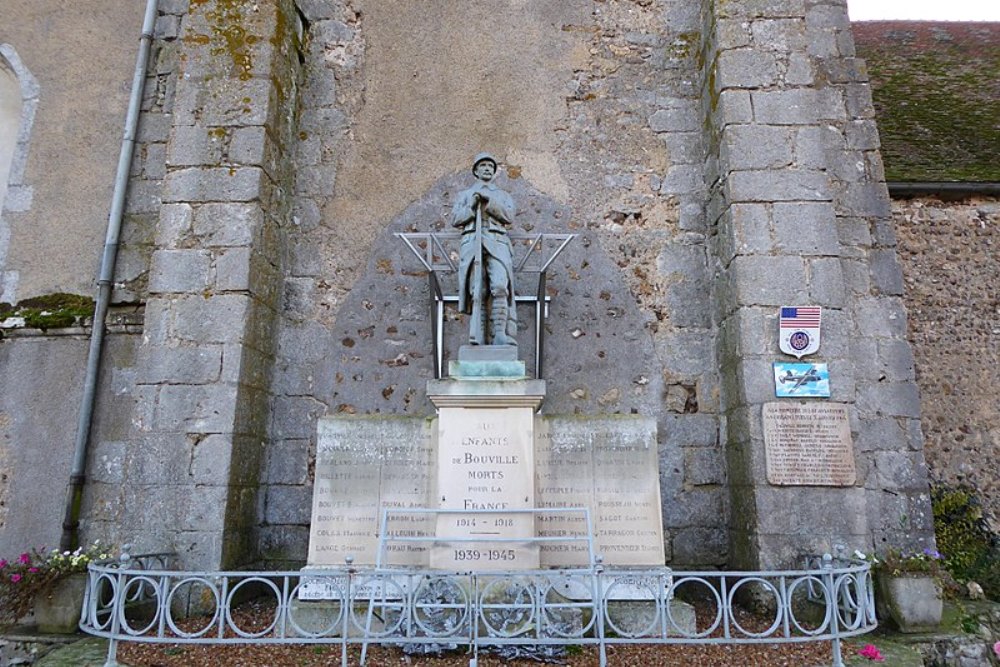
x=28, y=647
x=89, y=652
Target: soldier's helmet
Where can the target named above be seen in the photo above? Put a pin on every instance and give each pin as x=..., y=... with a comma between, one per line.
x=484, y=157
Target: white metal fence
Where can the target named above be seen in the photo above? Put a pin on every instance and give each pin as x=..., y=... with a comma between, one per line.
x=137, y=600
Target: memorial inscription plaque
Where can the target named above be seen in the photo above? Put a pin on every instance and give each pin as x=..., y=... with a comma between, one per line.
x=486, y=456
x=808, y=444
x=363, y=465
x=608, y=464
x=486, y=441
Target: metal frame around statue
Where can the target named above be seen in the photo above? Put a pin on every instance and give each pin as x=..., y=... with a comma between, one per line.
x=433, y=251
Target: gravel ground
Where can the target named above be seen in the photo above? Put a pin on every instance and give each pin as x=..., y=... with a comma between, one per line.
x=253, y=616
x=761, y=655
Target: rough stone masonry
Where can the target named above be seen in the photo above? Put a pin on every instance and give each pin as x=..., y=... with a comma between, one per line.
x=718, y=159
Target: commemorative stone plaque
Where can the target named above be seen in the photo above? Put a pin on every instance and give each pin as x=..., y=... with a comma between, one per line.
x=365, y=465
x=609, y=465
x=605, y=464
x=808, y=444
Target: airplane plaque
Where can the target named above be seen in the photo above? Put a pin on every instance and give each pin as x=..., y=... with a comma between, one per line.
x=793, y=380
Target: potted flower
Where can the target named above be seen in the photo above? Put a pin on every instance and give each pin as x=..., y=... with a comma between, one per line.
x=910, y=589
x=51, y=584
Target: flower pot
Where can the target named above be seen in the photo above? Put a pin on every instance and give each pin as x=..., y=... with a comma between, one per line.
x=912, y=600
x=57, y=610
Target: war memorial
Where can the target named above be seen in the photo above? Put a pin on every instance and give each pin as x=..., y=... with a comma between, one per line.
x=494, y=525
x=495, y=324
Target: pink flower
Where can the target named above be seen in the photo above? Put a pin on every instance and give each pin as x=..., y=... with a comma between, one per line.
x=25, y=558
x=872, y=653
x=996, y=649
x=15, y=578
x=33, y=570
x=3, y=563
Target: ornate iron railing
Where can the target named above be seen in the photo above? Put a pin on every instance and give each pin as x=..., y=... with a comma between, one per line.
x=131, y=600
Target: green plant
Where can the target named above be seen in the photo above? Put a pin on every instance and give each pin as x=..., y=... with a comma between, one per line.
x=973, y=551
x=969, y=623
x=895, y=563
x=35, y=572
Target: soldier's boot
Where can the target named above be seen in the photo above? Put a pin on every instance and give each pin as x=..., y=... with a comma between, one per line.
x=498, y=319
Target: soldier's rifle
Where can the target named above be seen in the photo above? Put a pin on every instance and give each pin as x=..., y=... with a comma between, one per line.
x=479, y=272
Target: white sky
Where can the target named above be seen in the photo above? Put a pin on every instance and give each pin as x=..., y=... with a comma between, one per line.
x=924, y=10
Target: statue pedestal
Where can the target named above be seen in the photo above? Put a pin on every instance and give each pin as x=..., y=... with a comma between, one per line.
x=486, y=461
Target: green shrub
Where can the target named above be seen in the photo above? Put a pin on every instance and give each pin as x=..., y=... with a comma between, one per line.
x=971, y=551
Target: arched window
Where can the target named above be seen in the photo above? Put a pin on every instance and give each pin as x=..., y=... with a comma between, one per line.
x=18, y=100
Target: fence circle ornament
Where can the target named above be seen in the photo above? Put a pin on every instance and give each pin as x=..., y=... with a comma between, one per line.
x=96, y=602
x=138, y=583
x=507, y=606
x=380, y=605
x=849, y=592
x=618, y=612
x=440, y=607
x=231, y=623
x=334, y=601
x=715, y=595
x=558, y=612
x=168, y=605
x=780, y=605
x=808, y=582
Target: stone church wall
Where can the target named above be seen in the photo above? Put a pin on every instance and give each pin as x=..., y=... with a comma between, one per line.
x=594, y=108
x=803, y=215
x=52, y=230
x=40, y=387
x=948, y=250
x=56, y=217
x=717, y=160
x=764, y=111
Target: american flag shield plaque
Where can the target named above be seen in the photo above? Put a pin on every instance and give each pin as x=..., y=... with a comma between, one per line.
x=798, y=329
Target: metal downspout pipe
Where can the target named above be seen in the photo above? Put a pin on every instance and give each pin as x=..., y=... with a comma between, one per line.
x=74, y=495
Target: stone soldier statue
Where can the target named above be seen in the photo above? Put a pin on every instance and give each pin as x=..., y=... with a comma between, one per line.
x=484, y=212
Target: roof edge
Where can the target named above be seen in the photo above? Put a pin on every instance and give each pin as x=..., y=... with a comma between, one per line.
x=949, y=188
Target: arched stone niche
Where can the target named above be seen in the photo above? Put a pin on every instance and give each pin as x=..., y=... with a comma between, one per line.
x=18, y=101
x=599, y=355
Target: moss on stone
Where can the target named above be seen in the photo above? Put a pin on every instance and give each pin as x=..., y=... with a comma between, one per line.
x=50, y=311
x=937, y=98
x=230, y=34
x=685, y=44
